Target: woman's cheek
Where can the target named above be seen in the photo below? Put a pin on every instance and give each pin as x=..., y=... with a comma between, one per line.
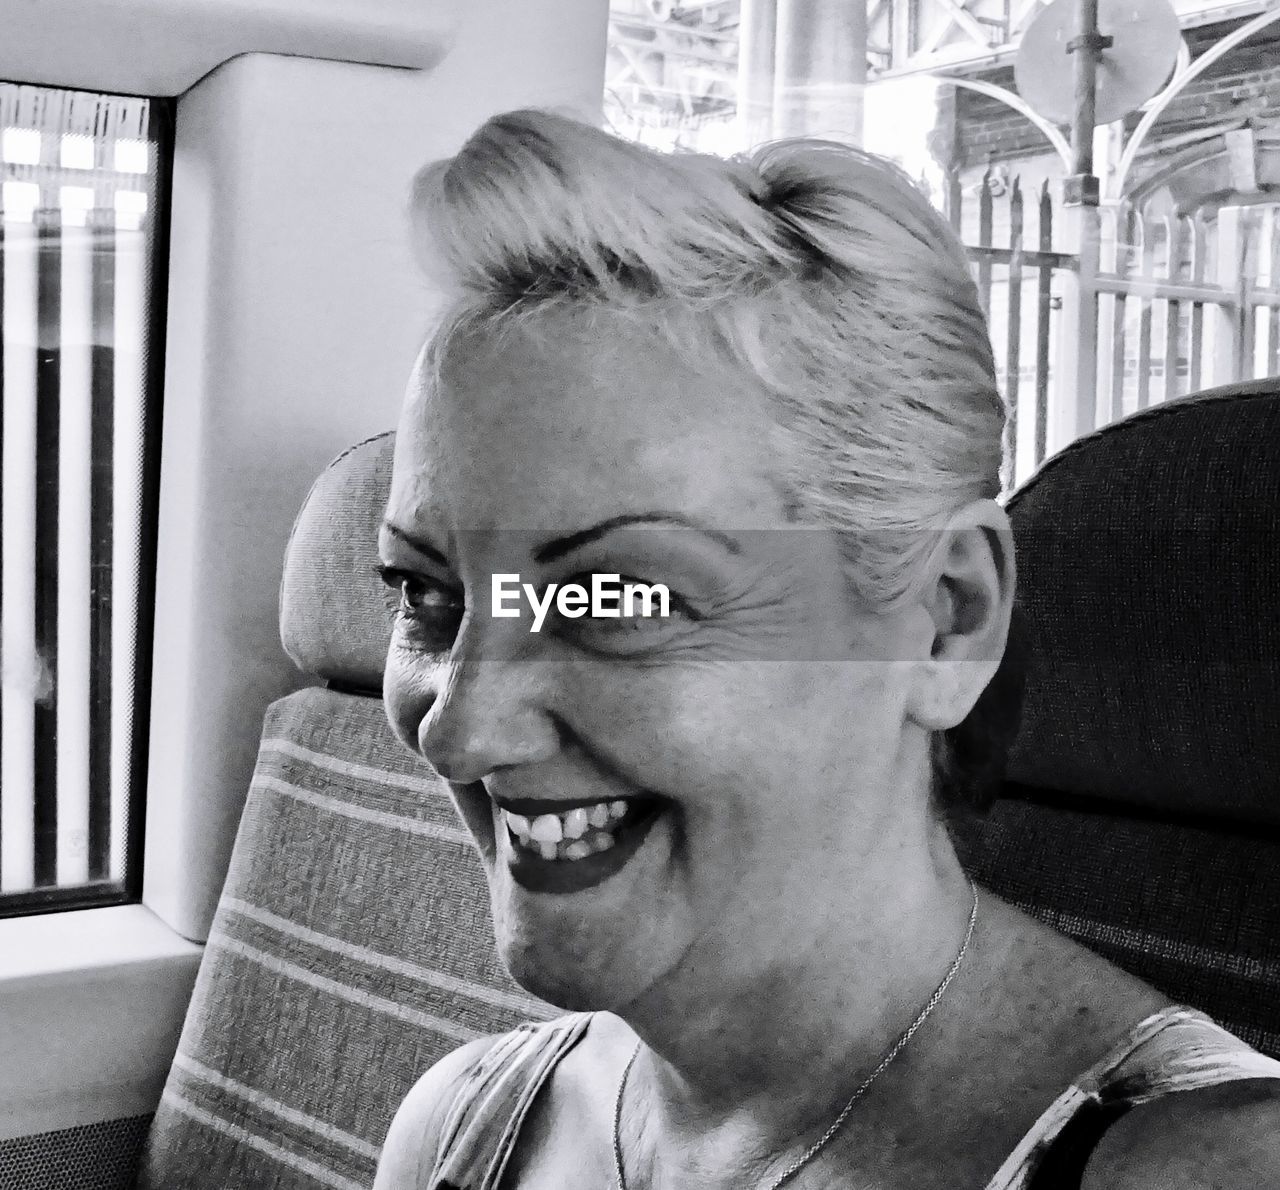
x=409, y=689
x=397, y=714
x=673, y=730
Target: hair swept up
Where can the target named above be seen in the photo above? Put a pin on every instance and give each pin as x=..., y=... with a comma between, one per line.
x=818, y=269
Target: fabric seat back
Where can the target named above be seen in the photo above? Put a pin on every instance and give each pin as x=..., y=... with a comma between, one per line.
x=1142, y=812
x=352, y=945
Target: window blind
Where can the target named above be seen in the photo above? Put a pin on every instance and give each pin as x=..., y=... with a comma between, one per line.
x=82, y=217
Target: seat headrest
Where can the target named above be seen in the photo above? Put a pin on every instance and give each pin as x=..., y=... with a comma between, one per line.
x=335, y=614
x=1149, y=576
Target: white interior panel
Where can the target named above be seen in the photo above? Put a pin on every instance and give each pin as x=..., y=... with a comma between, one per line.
x=295, y=313
x=91, y=1005
x=164, y=47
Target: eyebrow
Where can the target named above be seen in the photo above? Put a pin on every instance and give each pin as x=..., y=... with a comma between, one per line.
x=423, y=547
x=558, y=547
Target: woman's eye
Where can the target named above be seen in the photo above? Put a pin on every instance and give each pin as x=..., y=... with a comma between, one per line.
x=422, y=598
x=634, y=613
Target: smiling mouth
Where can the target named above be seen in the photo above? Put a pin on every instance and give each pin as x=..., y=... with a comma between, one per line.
x=580, y=847
x=572, y=835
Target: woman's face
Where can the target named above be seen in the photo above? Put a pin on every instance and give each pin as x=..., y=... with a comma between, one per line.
x=710, y=773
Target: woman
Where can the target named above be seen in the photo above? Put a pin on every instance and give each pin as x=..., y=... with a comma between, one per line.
x=718, y=836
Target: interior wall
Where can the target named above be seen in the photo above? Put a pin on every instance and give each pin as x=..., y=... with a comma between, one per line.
x=164, y=47
x=295, y=313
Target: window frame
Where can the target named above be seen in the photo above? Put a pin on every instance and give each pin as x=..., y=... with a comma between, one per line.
x=102, y=894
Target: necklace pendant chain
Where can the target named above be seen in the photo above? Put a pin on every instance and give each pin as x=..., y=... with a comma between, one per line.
x=821, y=1143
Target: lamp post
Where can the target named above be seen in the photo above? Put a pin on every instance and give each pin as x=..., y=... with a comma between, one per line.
x=1081, y=187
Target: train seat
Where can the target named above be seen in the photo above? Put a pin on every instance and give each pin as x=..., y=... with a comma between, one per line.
x=1142, y=810
x=352, y=945
x=1141, y=815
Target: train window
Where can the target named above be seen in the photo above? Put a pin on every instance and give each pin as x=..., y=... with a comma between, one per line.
x=82, y=294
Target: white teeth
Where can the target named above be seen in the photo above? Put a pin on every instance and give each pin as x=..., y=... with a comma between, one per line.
x=572, y=835
x=546, y=828
x=575, y=824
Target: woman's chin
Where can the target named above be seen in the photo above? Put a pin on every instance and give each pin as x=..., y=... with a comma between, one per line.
x=568, y=931
x=567, y=982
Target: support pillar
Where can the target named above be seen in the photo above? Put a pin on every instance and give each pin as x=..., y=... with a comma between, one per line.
x=1073, y=398
x=802, y=69
x=757, y=51
x=822, y=69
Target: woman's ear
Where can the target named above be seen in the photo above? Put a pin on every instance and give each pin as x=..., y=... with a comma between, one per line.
x=968, y=599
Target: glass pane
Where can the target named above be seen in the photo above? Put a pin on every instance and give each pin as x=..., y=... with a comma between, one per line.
x=1170, y=286
x=80, y=354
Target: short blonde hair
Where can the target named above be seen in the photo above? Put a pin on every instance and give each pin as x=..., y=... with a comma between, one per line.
x=817, y=268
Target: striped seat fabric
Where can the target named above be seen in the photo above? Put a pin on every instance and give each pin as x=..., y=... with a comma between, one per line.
x=352, y=945
x=1142, y=812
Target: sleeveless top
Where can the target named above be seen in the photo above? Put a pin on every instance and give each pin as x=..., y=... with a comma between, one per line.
x=1175, y=1049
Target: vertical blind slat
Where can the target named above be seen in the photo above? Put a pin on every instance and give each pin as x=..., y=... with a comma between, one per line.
x=47, y=455
x=128, y=372
x=74, y=514
x=102, y=504
x=25, y=679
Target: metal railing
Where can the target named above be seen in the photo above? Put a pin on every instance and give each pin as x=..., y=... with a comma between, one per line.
x=1095, y=313
x=1185, y=303
x=1016, y=284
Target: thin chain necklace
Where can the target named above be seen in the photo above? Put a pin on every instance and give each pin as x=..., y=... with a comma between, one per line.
x=821, y=1143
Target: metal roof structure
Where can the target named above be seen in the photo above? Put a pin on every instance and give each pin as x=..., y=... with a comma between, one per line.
x=674, y=63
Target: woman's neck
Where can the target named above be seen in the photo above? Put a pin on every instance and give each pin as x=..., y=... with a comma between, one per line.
x=771, y=1045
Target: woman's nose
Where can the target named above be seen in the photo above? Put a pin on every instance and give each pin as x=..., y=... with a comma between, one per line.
x=487, y=714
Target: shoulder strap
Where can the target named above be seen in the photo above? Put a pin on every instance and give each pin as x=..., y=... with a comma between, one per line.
x=1188, y=1051
x=484, y=1120
x=1175, y=1049
x=1062, y=1164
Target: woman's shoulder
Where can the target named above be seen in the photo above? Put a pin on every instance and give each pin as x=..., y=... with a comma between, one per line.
x=440, y=1103
x=413, y=1139
x=1224, y=1136
x=1091, y=1044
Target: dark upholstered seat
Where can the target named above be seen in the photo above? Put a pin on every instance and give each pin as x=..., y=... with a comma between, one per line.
x=1142, y=813
x=352, y=945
